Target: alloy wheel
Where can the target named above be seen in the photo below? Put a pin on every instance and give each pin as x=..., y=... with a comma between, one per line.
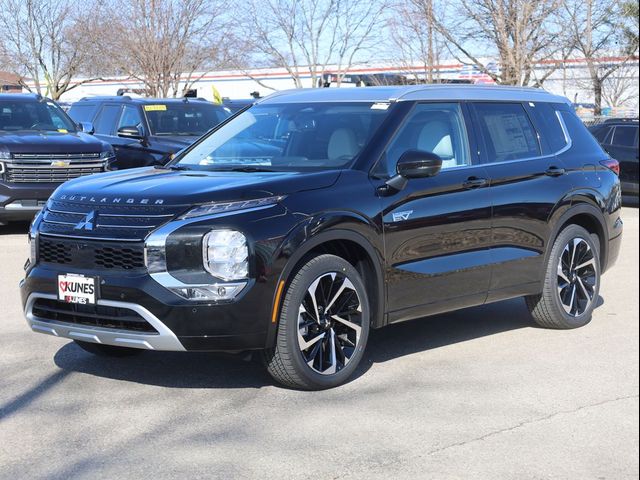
x=577, y=277
x=329, y=323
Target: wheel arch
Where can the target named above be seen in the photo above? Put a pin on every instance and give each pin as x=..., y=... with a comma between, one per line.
x=346, y=243
x=587, y=216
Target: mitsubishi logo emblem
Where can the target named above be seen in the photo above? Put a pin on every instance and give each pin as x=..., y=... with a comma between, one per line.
x=88, y=223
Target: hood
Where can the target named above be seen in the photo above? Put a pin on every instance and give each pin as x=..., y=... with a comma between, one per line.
x=50, y=142
x=169, y=187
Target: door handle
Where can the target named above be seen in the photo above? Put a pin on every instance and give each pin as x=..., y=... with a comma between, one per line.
x=474, y=182
x=555, y=172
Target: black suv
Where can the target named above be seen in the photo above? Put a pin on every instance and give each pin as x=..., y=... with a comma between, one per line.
x=147, y=131
x=303, y=222
x=41, y=147
x=619, y=138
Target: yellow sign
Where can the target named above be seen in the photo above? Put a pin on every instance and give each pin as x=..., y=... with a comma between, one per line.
x=217, y=98
x=62, y=130
x=155, y=108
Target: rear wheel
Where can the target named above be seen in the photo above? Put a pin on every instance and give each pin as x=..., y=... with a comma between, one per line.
x=107, y=350
x=324, y=326
x=572, y=281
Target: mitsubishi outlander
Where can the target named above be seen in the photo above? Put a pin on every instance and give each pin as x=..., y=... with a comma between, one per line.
x=300, y=224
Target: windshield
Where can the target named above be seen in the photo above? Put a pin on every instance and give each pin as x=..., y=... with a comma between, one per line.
x=288, y=137
x=33, y=115
x=192, y=118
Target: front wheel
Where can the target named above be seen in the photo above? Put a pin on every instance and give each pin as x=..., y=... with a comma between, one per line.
x=572, y=281
x=324, y=326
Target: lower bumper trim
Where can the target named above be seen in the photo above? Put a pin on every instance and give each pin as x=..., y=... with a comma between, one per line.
x=164, y=340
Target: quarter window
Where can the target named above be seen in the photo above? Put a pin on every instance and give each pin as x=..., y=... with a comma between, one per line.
x=625, y=136
x=431, y=127
x=507, y=131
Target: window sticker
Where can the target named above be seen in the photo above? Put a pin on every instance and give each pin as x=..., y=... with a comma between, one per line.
x=63, y=130
x=155, y=108
x=380, y=106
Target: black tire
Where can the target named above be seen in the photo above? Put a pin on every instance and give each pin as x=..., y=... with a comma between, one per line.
x=568, y=288
x=107, y=350
x=329, y=339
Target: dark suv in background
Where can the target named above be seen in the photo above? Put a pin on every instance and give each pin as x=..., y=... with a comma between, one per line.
x=41, y=147
x=147, y=131
x=619, y=138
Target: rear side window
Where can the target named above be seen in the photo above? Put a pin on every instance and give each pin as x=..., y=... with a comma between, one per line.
x=625, y=136
x=106, y=120
x=83, y=112
x=602, y=134
x=507, y=131
x=548, y=124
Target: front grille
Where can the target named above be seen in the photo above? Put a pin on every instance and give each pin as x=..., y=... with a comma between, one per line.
x=113, y=222
x=117, y=318
x=52, y=167
x=91, y=255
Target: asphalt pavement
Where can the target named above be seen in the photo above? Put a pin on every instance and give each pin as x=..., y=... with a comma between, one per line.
x=477, y=394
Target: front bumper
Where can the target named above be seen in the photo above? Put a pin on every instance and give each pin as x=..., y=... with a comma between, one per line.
x=163, y=340
x=182, y=325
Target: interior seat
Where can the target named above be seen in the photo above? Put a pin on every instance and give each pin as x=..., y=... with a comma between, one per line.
x=343, y=144
x=435, y=137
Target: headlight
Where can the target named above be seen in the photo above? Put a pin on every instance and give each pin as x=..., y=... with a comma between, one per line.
x=226, y=255
x=223, y=207
x=4, y=155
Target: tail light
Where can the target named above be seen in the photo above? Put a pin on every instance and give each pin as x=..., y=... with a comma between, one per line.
x=612, y=165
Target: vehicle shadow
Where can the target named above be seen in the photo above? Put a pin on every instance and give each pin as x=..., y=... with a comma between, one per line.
x=211, y=370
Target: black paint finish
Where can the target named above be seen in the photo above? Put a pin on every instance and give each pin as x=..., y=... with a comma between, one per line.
x=469, y=235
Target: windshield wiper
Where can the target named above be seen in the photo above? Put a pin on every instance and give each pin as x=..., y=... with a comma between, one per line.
x=178, y=167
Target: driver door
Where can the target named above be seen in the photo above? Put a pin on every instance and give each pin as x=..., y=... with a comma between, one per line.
x=437, y=230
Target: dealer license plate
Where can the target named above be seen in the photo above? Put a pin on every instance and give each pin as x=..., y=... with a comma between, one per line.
x=77, y=289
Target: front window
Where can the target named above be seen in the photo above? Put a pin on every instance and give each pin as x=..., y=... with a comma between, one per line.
x=185, y=118
x=289, y=137
x=44, y=116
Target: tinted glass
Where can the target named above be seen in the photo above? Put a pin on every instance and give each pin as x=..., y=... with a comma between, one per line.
x=106, y=120
x=36, y=115
x=507, y=131
x=548, y=125
x=601, y=134
x=625, y=136
x=83, y=112
x=130, y=117
x=431, y=127
x=289, y=137
x=185, y=118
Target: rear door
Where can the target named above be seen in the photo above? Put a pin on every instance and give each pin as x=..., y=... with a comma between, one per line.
x=437, y=230
x=527, y=183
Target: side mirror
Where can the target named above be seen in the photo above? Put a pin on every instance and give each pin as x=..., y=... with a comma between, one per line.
x=413, y=164
x=87, y=127
x=130, y=132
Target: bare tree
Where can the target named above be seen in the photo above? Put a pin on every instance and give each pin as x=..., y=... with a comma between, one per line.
x=595, y=29
x=415, y=39
x=305, y=37
x=163, y=43
x=516, y=32
x=41, y=43
x=621, y=88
